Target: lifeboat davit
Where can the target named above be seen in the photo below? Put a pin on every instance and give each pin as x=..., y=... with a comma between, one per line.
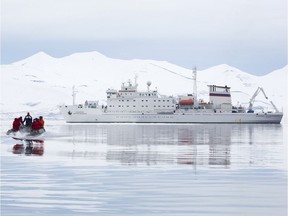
x=186, y=102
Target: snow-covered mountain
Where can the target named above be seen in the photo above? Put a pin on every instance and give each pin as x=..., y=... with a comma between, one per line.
x=41, y=82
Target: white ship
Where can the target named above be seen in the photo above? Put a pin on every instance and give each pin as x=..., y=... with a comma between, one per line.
x=128, y=105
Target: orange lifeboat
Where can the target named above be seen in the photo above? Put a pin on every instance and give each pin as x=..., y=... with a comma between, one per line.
x=186, y=102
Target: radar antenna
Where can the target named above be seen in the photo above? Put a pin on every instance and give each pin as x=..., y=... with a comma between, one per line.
x=148, y=85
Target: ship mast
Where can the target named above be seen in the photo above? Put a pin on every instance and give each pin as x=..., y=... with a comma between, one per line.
x=135, y=81
x=194, y=77
x=74, y=92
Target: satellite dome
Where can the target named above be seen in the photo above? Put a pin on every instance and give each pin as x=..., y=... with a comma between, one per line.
x=148, y=83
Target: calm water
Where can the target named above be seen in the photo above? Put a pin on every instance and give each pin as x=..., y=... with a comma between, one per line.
x=147, y=169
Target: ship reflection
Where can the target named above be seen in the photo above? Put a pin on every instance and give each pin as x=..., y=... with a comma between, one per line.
x=129, y=144
x=183, y=145
x=209, y=145
x=29, y=147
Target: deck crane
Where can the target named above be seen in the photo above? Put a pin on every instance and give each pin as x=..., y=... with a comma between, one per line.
x=260, y=89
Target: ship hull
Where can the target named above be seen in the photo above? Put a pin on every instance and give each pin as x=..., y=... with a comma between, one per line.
x=85, y=115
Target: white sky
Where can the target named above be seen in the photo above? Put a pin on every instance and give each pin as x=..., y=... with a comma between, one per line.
x=230, y=30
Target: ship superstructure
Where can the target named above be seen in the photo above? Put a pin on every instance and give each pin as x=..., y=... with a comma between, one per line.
x=148, y=106
x=129, y=100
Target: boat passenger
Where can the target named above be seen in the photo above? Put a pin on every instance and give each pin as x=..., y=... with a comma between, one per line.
x=16, y=124
x=21, y=120
x=36, y=124
x=28, y=120
x=41, y=121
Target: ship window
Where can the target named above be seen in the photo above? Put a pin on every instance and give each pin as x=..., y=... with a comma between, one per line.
x=146, y=100
x=134, y=106
x=154, y=100
x=149, y=94
x=159, y=100
x=127, y=105
x=142, y=100
x=122, y=100
x=133, y=100
x=142, y=106
x=163, y=106
x=146, y=106
x=127, y=100
x=159, y=106
x=168, y=106
x=119, y=106
x=163, y=100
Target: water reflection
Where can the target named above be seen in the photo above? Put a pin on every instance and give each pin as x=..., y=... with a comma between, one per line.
x=156, y=170
x=149, y=144
x=29, y=147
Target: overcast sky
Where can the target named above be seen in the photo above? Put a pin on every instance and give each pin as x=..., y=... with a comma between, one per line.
x=248, y=34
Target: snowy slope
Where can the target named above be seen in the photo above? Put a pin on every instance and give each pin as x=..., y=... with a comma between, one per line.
x=41, y=82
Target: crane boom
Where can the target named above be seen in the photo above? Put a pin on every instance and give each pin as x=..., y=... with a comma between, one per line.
x=274, y=106
x=251, y=102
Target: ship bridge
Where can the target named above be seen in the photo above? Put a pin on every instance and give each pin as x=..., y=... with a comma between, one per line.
x=220, y=97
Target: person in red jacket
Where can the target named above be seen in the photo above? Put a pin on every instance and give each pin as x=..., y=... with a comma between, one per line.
x=36, y=125
x=41, y=121
x=16, y=124
x=21, y=122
